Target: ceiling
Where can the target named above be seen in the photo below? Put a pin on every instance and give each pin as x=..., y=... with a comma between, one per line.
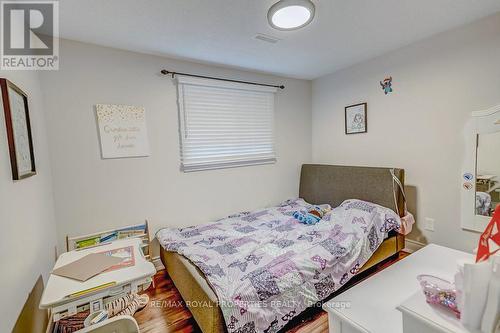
x=222, y=31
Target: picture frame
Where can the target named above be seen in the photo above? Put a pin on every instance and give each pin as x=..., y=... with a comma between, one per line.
x=18, y=127
x=356, y=118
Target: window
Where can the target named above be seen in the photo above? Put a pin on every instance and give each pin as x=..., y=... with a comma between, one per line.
x=225, y=124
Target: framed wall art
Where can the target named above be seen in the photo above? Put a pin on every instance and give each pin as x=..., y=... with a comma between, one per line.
x=17, y=121
x=355, y=119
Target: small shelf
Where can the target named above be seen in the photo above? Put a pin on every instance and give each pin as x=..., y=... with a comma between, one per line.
x=107, y=236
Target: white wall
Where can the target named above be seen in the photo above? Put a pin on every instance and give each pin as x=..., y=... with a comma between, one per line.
x=27, y=239
x=94, y=194
x=438, y=82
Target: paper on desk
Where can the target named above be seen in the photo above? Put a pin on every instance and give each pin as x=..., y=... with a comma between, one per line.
x=87, y=267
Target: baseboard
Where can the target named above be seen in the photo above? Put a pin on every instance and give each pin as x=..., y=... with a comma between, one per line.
x=158, y=264
x=412, y=245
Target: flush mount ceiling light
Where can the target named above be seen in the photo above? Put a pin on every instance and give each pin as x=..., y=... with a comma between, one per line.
x=291, y=14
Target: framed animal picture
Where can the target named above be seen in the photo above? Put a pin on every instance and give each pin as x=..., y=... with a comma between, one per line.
x=355, y=119
x=17, y=121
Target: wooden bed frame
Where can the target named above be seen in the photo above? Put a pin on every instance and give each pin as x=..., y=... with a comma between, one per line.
x=318, y=184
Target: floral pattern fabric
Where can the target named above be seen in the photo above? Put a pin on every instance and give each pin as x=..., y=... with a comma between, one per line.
x=266, y=267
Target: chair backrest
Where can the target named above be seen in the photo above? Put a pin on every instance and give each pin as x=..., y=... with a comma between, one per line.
x=118, y=324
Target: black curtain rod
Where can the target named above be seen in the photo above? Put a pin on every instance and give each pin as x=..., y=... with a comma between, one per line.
x=165, y=72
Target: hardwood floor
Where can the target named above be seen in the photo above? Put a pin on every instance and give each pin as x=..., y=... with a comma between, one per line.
x=166, y=313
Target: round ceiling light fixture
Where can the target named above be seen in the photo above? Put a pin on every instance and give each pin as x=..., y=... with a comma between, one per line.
x=291, y=14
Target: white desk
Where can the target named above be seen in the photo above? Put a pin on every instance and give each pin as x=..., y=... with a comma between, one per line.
x=420, y=316
x=128, y=279
x=370, y=307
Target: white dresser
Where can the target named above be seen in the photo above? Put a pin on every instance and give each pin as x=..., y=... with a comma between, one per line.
x=419, y=316
x=370, y=306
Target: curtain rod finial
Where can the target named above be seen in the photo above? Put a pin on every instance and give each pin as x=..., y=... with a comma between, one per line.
x=282, y=87
x=165, y=72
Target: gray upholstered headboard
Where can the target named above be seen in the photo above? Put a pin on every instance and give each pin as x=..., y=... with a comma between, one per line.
x=333, y=184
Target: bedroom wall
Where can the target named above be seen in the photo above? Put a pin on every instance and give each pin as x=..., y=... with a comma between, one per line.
x=438, y=82
x=27, y=240
x=92, y=194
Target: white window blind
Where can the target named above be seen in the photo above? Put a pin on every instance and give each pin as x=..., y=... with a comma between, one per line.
x=225, y=124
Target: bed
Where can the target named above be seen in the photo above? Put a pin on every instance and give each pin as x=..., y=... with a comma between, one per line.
x=318, y=184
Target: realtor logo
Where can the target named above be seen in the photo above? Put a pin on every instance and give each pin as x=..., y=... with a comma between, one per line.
x=29, y=35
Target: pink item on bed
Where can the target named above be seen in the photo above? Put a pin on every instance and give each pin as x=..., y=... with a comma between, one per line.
x=407, y=223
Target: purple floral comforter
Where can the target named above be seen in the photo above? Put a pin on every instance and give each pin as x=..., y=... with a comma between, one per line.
x=266, y=267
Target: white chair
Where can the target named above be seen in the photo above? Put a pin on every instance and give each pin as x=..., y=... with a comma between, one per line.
x=118, y=324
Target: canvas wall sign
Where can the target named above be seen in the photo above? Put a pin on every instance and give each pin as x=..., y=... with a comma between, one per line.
x=123, y=131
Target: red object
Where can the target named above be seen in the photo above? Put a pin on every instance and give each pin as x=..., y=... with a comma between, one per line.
x=489, y=243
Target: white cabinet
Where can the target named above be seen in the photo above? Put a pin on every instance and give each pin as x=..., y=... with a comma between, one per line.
x=370, y=306
x=419, y=316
